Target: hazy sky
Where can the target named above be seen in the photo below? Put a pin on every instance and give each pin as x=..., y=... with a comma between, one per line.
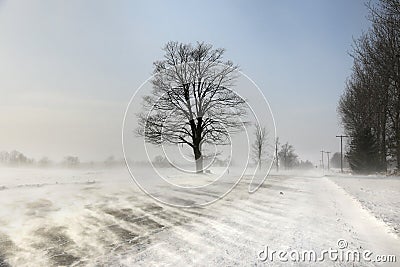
x=69, y=68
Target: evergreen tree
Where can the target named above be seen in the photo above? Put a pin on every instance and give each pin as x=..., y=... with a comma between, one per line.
x=363, y=154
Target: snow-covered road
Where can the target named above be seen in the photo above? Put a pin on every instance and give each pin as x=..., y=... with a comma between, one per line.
x=100, y=218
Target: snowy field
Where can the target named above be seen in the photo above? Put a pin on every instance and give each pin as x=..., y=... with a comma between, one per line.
x=100, y=218
x=378, y=194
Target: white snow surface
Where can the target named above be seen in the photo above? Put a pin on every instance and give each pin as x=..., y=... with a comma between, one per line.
x=380, y=195
x=53, y=217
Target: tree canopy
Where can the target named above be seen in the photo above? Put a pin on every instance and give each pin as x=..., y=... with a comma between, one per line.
x=192, y=101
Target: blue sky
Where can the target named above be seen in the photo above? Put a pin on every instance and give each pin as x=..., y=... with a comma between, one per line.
x=69, y=68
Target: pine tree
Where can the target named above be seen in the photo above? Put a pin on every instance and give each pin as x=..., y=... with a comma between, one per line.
x=363, y=153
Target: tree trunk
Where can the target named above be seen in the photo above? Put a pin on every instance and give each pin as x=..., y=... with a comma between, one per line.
x=398, y=150
x=396, y=126
x=196, y=131
x=198, y=158
x=383, y=144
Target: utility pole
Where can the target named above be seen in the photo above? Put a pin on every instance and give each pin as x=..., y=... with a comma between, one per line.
x=341, y=150
x=327, y=153
x=322, y=158
x=276, y=154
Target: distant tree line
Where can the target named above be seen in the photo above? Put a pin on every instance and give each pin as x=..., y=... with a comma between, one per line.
x=289, y=159
x=370, y=105
x=14, y=158
x=287, y=156
x=17, y=159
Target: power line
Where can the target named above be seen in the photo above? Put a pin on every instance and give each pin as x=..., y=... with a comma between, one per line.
x=327, y=153
x=322, y=158
x=341, y=150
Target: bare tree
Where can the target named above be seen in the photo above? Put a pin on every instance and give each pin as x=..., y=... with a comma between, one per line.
x=287, y=156
x=44, y=162
x=259, y=147
x=71, y=161
x=192, y=101
x=4, y=157
x=18, y=158
x=161, y=161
